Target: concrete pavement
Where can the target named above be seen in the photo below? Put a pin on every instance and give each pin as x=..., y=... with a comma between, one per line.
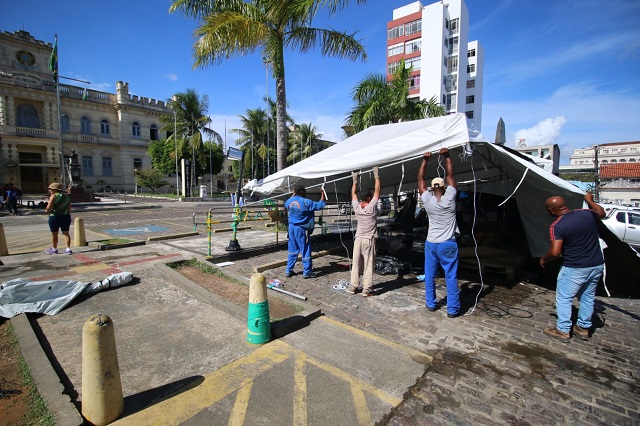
x=383, y=359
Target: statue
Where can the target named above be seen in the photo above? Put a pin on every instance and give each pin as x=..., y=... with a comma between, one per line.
x=73, y=168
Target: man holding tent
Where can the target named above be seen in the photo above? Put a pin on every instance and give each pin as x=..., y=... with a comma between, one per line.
x=364, y=245
x=301, y=224
x=574, y=235
x=441, y=247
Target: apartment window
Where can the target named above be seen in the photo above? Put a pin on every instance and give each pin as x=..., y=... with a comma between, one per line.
x=27, y=116
x=135, y=130
x=471, y=53
x=85, y=125
x=414, y=82
x=393, y=67
x=396, y=32
x=396, y=49
x=450, y=102
x=412, y=46
x=470, y=99
x=446, y=23
x=623, y=161
x=623, y=150
x=153, y=132
x=413, y=62
x=87, y=165
x=469, y=114
x=446, y=42
x=413, y=27
x=107, y=166
x=634, y=149
x=471, y=84
x=453, y=64
x=230, y=169
x=606, y=151
x=137, y=163
x=104, y=128
x=453, y=45
x=455, y=24
x=65, y=124
x=471, y=68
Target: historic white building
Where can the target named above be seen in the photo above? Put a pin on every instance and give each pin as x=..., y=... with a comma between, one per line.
x=109, y=132
x=434, y=40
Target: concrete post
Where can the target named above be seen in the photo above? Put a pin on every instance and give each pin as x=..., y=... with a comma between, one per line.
x=102, y=400
x=79, y=239
x=4, y=251
x=259, y=324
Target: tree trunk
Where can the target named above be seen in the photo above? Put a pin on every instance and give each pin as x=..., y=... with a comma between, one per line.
x=281, y=123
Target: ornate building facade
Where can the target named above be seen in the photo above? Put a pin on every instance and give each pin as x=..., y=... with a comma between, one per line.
x=108, y=132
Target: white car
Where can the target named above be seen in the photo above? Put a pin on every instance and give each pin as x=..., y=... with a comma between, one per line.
x=625, y=223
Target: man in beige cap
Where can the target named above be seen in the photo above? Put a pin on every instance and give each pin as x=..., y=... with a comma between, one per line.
x=441, y=247
x=58, y=209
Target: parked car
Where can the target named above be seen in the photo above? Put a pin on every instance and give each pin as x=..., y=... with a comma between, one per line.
x=625, y=223
x=384, y=207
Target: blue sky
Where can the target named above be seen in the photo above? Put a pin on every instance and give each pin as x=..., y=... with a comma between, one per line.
x=556, y=71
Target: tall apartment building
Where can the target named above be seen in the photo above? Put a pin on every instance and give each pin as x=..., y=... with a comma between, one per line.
x=109, y=132
x=434, y=40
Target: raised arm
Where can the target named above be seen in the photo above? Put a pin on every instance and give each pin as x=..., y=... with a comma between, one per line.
x=376, y=189
x=422, y=185
x=354, y=187
x=588, y=197
x=448, y=166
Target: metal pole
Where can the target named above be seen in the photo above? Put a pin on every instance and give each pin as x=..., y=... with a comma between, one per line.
x=210, y=172
x=63, y=179
x=597, y=175
x=268, y=150
x=174, y=100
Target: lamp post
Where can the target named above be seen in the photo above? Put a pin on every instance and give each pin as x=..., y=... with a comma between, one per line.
x=210, y=172
x=174, y=101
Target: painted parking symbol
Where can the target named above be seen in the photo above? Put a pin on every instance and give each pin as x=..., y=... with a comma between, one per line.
x=137, y=230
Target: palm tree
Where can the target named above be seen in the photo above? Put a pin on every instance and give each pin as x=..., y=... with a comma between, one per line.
x=379, y=102
x=253, y=135
x=191, y=121
x=236, y=28
x=304, y=142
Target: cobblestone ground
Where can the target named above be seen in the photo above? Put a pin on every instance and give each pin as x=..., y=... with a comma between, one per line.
x=492, y=365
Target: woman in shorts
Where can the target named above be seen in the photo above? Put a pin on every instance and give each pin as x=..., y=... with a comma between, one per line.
x=58, y=207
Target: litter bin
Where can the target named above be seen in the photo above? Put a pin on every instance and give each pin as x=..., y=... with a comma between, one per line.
x=203, y=191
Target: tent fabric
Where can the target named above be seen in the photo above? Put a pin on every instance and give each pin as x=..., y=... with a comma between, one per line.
x=398, y=148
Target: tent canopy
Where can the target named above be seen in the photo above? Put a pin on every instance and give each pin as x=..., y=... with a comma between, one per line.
x=398, y=148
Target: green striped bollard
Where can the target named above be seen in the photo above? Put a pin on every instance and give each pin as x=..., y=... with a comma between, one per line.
x=258, y=321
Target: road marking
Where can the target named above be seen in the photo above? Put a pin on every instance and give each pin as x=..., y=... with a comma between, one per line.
x=240, y=406
x=300, y=391
x=360, y=403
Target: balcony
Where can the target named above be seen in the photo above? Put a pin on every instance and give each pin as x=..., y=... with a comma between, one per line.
x=87, y=138
x=31, y=132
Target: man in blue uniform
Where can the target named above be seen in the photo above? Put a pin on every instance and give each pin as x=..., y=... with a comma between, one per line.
x=301, y=223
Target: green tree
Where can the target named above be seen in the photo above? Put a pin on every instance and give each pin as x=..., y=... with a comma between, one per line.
x=379, y=102
x=150, y=178
x=231, y=28
x=304, y=142
x=162, y=154
x=190, y=120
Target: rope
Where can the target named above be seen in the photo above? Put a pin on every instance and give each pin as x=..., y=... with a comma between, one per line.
x=473, y=234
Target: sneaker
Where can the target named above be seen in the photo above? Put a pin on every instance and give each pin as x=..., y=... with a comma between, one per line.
x=309, y=275
x=557, y=334
x=288, y=274
x=68, y=251
x=51, y=251
x=435, y=308
x=581, y=333
x=452, y=315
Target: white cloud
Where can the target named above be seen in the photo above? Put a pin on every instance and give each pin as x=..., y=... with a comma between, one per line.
x=172, y=77
x=545, y=132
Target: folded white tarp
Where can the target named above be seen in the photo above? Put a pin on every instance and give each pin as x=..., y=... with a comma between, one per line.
x=50, y=297
x=397, y=149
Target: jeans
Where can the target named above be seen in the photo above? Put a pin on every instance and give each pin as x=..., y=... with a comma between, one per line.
x=580, y=283
x=299, y=242
x=445, y=254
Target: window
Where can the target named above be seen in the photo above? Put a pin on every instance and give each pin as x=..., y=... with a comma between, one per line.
x=413, y=27
x=65, y=125
x=453, y=64
x=153, y=132
x=27, y=116
x=453, y=45
x=623, y=150
x=470, y=99
x=471, y=84
x=412, y=46
x=396, y=32
x=87, y=165
x=107, y=166
x=137, y=163
x=395, y=50
x=634, y=219
x=620, y=217
x=413, y=62
x=85, y=125
x=471, y=68
x=104, y=128
x=230, y=169
x=471, y=53
x=634, y=149
x=393, y=67
x=135, y=130
x=414, y=82
x=469, y=114
x=455, y=26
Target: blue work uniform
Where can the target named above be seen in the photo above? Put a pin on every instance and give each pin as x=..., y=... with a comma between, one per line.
x=301, y=220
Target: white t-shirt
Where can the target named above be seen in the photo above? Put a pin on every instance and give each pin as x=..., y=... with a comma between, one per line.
x=442, y=215
x=367, y=218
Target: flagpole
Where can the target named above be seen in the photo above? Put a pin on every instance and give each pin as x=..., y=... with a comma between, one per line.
x=56, y=80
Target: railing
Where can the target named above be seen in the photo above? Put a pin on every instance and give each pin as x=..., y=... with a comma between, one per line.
x=87, y=138
x=31, y=132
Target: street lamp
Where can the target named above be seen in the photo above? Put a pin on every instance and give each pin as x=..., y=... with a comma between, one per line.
x=174, y=100
x=210, y=172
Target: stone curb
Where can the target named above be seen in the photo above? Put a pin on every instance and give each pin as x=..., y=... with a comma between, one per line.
x=173, y=236
x=46, y=379
x=115, y=246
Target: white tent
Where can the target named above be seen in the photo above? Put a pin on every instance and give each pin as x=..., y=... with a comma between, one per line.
x=397, y=149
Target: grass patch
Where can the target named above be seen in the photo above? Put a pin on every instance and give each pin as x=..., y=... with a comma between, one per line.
x=38, y=412
x=204, y=268
x=115, y=241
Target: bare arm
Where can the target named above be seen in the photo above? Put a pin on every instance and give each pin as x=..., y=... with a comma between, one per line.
x=376, y=189
x=594, y=206
x=52, y=198
x=554, y=252
x=448, y=166
x=354, y=187
x=422, y=185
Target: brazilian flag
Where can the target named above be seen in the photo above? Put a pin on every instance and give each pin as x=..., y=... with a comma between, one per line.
x=53, y=62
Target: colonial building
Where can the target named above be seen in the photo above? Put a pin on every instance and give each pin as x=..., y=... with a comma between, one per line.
x=433, y=39
x=108, y=132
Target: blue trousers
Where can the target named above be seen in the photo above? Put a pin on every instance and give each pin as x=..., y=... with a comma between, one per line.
x=299, y=242
x=446, y=255
x=580, y=283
